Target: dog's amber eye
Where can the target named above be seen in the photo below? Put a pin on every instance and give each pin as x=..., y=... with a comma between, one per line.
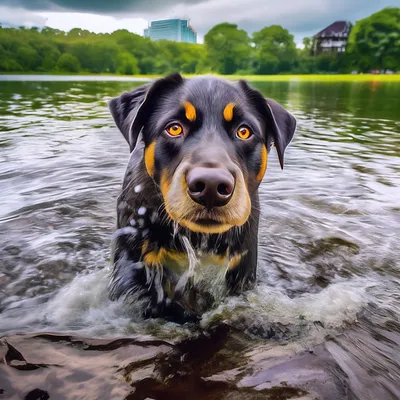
x=174, y=130
x=244, y=132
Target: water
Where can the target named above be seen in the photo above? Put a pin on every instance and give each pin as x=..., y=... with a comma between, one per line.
x=323, y=321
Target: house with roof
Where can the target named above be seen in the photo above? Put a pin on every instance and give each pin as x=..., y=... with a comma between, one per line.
x=332, y=39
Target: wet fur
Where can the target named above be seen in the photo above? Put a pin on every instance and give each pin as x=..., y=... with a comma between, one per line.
x=144, y=226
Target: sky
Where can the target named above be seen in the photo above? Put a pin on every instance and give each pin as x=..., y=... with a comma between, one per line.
x=301, y=17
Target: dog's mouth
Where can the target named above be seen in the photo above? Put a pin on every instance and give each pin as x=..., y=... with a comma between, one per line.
x=199, y=219
x=205, y=225
x=207, y=221
x=182, y=209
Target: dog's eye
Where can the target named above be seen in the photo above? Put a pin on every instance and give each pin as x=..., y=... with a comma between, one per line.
x=243, y=132
x=174, y=130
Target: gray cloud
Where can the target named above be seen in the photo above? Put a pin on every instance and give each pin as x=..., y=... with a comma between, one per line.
x=20, y=17
x=96, y=6
x=300, y=17
x=310, y=19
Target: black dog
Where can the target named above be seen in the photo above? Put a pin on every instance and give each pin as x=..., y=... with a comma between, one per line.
x=199, y=150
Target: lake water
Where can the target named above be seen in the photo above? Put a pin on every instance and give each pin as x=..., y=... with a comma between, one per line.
x=324, y=320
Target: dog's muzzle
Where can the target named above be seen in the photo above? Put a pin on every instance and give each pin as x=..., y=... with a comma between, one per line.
x=210, y=187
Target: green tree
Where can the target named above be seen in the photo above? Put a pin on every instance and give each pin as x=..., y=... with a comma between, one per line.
x=127, y=64
x=47, y=31
x=7, y=63
x=177, y=57
x=307, y=45
x=48, y=53
x=27, y=57
x=78, y=33
x=95, y=55
x=275, y=50
x=68, y=63
x=228, y=48
x=374, y=42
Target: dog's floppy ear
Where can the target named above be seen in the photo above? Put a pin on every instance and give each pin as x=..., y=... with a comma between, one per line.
x=124, y=109
x=132, y=109
x=283, y=127
x=279, y=121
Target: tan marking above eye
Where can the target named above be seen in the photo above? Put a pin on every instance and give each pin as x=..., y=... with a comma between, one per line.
x=190, y=111
x=244, y=132
x=228, y=112
x=174, y=130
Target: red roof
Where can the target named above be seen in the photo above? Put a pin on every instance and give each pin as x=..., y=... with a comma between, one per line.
x=338, y=27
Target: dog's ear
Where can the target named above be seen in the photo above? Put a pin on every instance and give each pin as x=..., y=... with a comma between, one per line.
x=279, y=122
x=283, y=127
x=132, y=109
x=124, y=109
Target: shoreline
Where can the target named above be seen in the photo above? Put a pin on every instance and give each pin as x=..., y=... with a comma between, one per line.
x=255, y=78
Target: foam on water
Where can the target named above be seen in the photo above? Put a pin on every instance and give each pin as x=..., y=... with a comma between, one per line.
x=331, y=308
x=193, y=261
x=83, y=307
x=84, y=304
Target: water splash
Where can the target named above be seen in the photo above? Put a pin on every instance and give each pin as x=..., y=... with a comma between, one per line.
x=192, y=261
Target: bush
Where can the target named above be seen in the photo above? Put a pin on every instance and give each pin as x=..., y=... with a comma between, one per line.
x=68, y=63
x=127, y=64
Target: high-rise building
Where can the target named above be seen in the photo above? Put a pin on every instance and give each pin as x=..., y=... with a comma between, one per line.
x=177, y=30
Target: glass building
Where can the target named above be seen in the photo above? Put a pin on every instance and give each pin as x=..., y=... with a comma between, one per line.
x=177, y=30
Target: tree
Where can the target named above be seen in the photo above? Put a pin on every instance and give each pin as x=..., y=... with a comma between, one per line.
x=47, y=31
x=68, y=63
x=307, y=43
x=48, y=53
x=374, y=42
x=7, y=64
x=95, y=55
x=78, y=33
x=275, y=50
x=127, y=64
x=228, y=48
x=27, y=57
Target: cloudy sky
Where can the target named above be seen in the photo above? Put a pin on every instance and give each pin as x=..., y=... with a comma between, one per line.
x=301, y=17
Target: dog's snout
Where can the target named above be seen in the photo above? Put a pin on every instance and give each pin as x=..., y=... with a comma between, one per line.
x=210, y=187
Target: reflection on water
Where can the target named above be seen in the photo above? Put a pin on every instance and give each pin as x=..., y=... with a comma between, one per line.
x=324, y=319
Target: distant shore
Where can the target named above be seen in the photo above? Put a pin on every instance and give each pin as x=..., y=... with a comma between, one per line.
x=254, y=78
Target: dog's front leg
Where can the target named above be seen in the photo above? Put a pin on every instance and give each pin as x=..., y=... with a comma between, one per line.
x=142, y=282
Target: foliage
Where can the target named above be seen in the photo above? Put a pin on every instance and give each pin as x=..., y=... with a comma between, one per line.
x=228, y=48
x=374, y=43
x=68, y=63
x=275, y=50
x=127, y=64
x=122, y=52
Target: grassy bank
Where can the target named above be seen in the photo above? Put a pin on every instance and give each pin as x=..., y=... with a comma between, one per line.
x=321, y=78
x=254, y=78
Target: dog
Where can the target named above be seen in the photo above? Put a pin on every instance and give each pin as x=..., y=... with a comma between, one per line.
x=199, y=150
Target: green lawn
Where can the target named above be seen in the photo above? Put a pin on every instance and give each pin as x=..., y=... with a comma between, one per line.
x=326, y=78
x=256, y=78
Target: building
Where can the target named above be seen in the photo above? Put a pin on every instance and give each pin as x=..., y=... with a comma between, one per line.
x=177, y=30
x=332, y=39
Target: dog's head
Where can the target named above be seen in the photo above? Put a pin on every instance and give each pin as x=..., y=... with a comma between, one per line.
x=206, y=145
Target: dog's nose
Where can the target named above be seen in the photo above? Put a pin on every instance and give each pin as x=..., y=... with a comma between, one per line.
x=210, y=187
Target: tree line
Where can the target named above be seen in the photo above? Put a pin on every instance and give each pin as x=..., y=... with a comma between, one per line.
x=374, y=43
